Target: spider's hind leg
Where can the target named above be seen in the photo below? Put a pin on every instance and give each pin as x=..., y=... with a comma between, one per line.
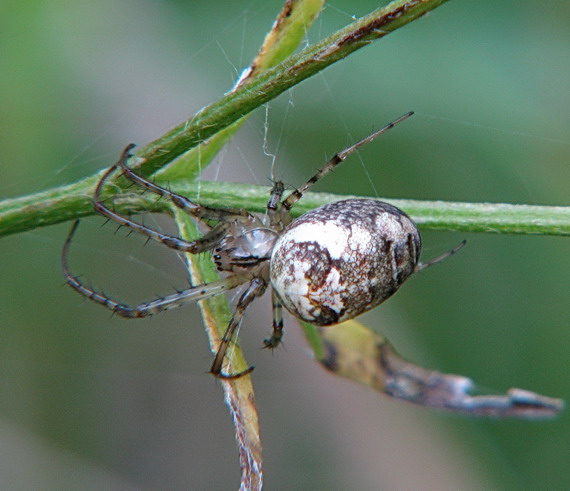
x=277, y=334
x=441, y=257
x=341, y=156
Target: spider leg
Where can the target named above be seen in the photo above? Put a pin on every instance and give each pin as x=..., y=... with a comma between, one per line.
x=273, y=209
x=171, y=241
x=145, y=309
x=296, y=195
x=213, y=237
x=194, y=209
x=255, y=289
x=440, y=258
x=277, y=333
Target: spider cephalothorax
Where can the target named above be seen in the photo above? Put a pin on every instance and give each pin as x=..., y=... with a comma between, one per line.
x=246, y=250
x=329, y=265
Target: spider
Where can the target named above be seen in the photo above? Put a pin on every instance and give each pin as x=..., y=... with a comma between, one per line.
x=327, y=266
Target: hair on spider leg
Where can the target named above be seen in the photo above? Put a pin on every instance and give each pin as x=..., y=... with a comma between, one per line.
x=271, y=344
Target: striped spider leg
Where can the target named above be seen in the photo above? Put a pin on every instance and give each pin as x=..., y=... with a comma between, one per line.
x=240, y=243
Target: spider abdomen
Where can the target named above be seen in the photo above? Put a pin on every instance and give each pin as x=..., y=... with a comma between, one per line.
x=343, y=259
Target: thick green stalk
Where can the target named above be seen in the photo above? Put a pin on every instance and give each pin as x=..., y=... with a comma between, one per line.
x=436, y=215
x=73, y=201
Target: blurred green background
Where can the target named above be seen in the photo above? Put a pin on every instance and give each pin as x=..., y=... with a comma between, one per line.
x=93, y=402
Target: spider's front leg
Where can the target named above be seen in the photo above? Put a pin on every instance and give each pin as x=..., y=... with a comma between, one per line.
x=256, y=288
x=145, y=309
x=223, y=215
x=197, y=210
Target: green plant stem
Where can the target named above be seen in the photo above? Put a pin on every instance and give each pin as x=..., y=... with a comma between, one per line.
x=61, y=204
x=436, y=215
